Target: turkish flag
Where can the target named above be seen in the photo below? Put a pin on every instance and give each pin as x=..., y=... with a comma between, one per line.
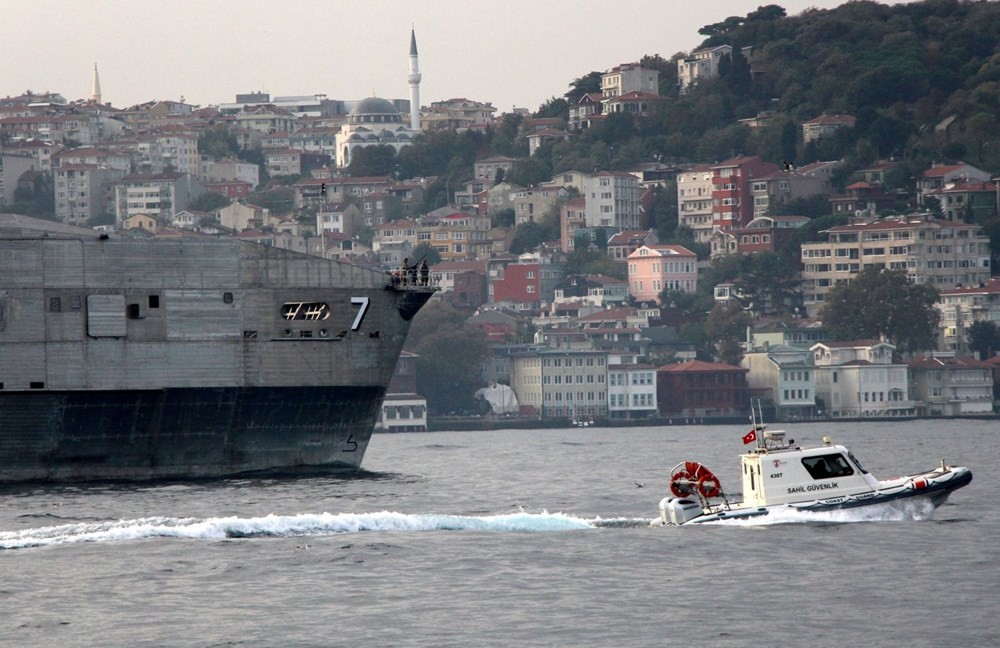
x=750, y=437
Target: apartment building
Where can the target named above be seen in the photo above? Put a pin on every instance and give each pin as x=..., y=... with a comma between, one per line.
x=733, y=183
x=859, y=379
x=701, y=64
x=783, y=376
x=631, y=391
x=948, y=385
x=694, y=200
x=612, y=200
x=962, y=307
x=629, y=77
x=83, y=191
x=655, y=268
x=941, y=253
x=160, y=195
x=457, y=236
x=561, y=382
x=825, y=126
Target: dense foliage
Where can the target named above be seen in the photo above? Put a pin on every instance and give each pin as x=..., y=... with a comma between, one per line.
x=450, y=354
x=881, y=303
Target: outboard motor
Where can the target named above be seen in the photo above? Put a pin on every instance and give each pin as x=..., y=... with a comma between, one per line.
x=678, y=510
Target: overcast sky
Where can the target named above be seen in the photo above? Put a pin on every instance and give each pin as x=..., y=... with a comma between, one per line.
x=506, y=52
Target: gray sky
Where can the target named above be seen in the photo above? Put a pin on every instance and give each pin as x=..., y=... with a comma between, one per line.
x=507, y=52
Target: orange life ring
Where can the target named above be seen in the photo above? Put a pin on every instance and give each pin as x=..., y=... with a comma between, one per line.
x=708, y=485
x=678, y=489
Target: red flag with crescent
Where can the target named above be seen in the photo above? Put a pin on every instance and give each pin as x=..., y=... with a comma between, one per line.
x=750, y=436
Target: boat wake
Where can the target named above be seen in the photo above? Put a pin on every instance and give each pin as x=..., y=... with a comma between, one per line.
x=322, y=524
x=305, y=524
x=909, y=510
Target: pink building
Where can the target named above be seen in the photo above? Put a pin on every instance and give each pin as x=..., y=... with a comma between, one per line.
x=653, y=268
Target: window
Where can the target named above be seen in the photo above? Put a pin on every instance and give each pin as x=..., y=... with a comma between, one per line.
x=827, y=466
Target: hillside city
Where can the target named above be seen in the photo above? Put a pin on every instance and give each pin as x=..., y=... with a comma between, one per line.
x=565, y=299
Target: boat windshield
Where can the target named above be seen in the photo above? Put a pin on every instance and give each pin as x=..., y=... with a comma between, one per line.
x=856, y=462
x=827, y=466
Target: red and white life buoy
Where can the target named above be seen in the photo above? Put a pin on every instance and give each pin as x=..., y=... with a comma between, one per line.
x=708, y=485
x=694, y=476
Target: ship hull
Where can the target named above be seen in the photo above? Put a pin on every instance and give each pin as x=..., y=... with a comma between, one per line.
x=184, y=433
x=127, y=358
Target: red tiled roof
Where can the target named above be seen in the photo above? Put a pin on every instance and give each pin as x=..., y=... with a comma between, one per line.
x=689, y=366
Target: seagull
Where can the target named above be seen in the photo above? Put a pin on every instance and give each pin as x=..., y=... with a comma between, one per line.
x=638, y=485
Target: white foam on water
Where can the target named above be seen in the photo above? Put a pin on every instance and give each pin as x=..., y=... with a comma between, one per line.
x=303, y=524
x=906, y=510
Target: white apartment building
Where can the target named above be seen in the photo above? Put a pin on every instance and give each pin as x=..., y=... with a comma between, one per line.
x=702, y=64
x=941, y=253
x=229, y=170
x=630, y=77
x=160, y=195
x=178, y=150
x=631, y=391
x=787, y=375
x=859, y=379
x=612, y=200
x=962, y=307
x=694, y=201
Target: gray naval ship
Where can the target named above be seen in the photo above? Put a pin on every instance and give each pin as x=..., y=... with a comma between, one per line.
x=126, y=358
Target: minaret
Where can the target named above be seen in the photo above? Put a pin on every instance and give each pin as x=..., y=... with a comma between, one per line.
x=414, y=80
x=95, y=96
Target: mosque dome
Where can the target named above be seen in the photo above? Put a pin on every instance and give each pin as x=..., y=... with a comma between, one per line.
x=375, y=110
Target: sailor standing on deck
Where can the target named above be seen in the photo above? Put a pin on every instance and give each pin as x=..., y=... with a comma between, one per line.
x=405, y=270
x=424, y=273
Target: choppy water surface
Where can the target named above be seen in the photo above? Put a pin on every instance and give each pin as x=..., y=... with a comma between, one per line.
x=518, y=537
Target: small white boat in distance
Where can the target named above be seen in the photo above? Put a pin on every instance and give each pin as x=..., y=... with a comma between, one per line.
x=779, y=474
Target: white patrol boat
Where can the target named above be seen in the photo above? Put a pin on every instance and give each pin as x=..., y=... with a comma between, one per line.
x=779, y=474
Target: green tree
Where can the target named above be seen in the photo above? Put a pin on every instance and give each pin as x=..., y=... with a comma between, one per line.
x=425, y=252
x=883, y=303
x=209, y=201
x=450, y=358
x=588, y=83
x=583, y=261
x=217, y=142
x=984, y=339
x=527, y=237
x=768, y=282
x=554, y=107
x=503, y=218
x=369, y=161
x=726, y=326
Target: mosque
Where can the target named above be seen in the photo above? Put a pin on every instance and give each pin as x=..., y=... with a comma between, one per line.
x=377, y=122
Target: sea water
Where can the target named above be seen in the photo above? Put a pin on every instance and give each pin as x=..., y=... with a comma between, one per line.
x=509, y=538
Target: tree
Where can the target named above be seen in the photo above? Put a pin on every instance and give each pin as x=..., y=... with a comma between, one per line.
x=503, y=218
x=588, y=83
x=450, y=357
x=768, y=282
x=584, y=261
x=984, y=338
x=209, y=201
x=217, y=142
x=449, y=366
x=554, y=107
x=370, y=161
x=527, y=237
x=425, y=252
x=727, y=325
x=883, y=303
